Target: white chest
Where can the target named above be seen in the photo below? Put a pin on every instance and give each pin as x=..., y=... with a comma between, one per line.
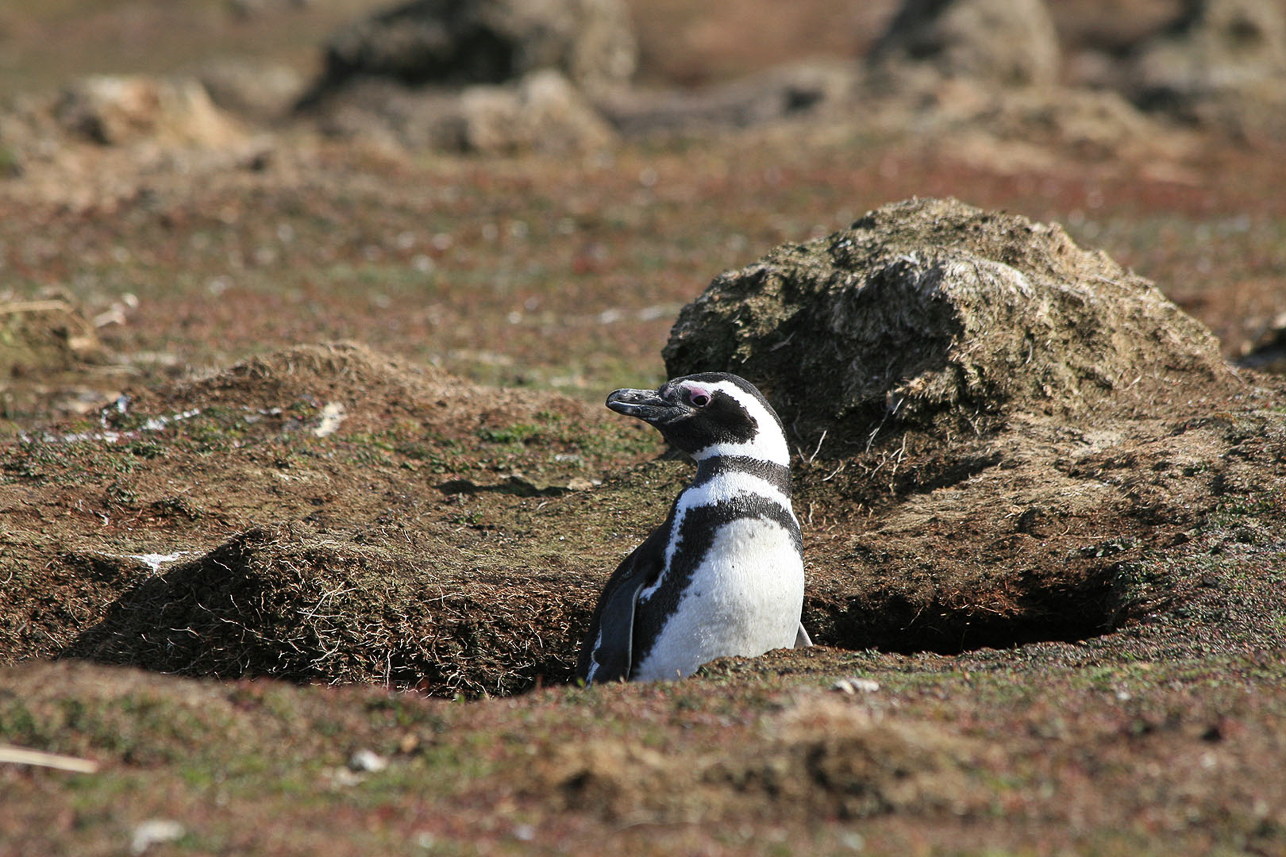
x=744, y=599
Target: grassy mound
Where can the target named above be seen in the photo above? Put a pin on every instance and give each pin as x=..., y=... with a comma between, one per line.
x=297, y=606
x=934, y=313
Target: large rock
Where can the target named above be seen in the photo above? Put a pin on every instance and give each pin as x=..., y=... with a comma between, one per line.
x=542, y=112
x=934, y=314
x=456, y=43
x=261, y=91
x=999, y=432
x=114, y=110
x=1222, y=63
x=1035, y=130
x=1002, y=42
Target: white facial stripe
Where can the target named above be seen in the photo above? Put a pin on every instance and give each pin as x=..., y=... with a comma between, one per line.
x=769, y=444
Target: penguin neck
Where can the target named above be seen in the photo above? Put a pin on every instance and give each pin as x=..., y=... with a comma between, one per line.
x=712, y=467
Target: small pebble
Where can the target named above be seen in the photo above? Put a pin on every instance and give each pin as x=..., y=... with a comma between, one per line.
x=856, y=685
x=367, y=762
x=154, y=832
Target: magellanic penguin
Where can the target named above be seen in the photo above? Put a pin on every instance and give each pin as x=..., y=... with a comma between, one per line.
x=724, y=575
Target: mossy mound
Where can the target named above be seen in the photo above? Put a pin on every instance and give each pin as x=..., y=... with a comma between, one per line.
x=932, y=313
x=366, y=391
x=38, y=337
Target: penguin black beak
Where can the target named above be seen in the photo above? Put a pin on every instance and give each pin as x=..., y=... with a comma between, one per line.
x=646, y=405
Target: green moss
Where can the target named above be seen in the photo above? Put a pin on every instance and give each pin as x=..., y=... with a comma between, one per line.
x=511, y=434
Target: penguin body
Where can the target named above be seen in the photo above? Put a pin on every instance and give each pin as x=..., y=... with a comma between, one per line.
x=724, y=574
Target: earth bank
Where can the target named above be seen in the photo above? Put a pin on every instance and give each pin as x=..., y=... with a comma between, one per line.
x=1042, y=469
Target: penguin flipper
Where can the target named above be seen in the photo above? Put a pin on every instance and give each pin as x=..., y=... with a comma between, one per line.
x=802, y=640
x=614, y=644
x=608, y=651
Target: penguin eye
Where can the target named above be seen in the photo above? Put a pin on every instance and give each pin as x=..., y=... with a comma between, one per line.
x=699, y=399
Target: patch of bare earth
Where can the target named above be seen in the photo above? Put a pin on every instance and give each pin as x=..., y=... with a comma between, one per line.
x=325, y=483
x=956, y=755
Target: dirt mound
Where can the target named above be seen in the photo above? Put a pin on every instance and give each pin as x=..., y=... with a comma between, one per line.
x=541, y=112
x=347, y=388
x=818, y=756
x=47, y=334
x=1222, y=63
x=334, y=370
x=494, y=77
x=933, y=313
x=295, y=605
x=116, y=110
x=455, y=44
x=47, y=347
x=1036, y=128
x=998, y=41
x=1004, y=438
x=352, y=518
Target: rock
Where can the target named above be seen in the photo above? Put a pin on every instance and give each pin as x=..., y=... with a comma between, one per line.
x=789, y=91
x=542, y=112
x=1036, y=128
x=1223, y=63
x=1097, y=125
x=933, y=314
x=489, y=41
x=1002, y=42
x=117, y=110
x=155, y=831
x=257, y=90
x=366, y=762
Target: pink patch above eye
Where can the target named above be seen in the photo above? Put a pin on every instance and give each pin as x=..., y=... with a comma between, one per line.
x=699, y=396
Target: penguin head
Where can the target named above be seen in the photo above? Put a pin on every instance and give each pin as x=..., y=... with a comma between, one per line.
x=709, y=415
